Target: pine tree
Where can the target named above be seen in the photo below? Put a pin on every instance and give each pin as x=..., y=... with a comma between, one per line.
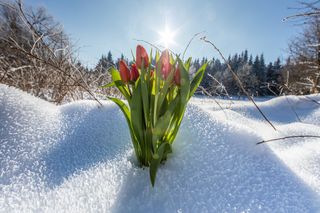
x=270, y=71
x=109, y=57
x=277, y=65
x=229, y=59
x=104, y=63
x=250, y=60
x=245, y=56
x=234, y=62
x=256, y=65
x=262, y=63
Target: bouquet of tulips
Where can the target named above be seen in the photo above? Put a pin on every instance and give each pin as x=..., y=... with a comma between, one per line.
x=157, y=95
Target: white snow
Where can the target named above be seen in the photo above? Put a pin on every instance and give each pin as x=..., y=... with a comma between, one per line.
x=78, y=158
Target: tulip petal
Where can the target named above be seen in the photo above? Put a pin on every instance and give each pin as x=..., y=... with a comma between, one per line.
x=134, y=75
x=124, y=71
x=142, y=57
x=177, y=77
x=165, y=64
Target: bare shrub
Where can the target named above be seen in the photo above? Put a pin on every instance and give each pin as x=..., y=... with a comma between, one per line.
x=303, y=71
x=38, y=57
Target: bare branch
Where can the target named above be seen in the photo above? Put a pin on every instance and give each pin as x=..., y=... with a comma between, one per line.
x=208, y=94
x=236, y=78
x=185, y=50
x=288, y=137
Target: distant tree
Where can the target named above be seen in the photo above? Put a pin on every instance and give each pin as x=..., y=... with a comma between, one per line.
x=248, y=79
x=270, y=71
x=245, y=56
x=234, y=61
x=109, y=57
x=262, y=69
x=262, y=62
x=229, y=59
x=103, y=64
x=250, y=60
x=272, y=81
x=277, y=64
x=256, y=65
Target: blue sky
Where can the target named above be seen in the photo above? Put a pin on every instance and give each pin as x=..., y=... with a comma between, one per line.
x=98, y=26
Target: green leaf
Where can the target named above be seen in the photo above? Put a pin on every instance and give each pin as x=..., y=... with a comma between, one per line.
x=156, y=160
x=136, y=112
x=122, y=87
x=150, y=57
x=115, y=74
x=197, y=79
x=157, y=56
x=145, y=95
x=164, y=107
x=125, y=110
x=157, y=82
x=111, y=84
x=184, y=85
x=176, y=124
x=164, y=121
x=188, y=63
x=163, y=91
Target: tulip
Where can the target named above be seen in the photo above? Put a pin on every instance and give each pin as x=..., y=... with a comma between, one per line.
x=156, y=103
x=134, y=72
x=142, y=57
x=124, y=71
x=151, y=73
x=177, y=77
x=165, y=64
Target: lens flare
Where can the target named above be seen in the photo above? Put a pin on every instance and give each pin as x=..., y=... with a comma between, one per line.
x=167, y=37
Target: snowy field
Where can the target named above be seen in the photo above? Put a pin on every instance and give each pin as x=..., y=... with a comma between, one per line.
x=78, y=158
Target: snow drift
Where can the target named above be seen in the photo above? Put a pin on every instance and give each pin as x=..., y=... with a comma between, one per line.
x=78, y=158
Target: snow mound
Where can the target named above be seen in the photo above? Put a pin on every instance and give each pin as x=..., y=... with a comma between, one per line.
x=78, y=158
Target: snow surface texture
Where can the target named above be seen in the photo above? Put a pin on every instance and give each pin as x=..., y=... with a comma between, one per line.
x=78, y=158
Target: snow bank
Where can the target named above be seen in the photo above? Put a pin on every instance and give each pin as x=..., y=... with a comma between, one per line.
x=78, y=158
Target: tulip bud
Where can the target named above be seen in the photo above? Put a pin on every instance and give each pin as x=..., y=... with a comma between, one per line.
x=165, y=64
x=134, y=72
x=124, y=71
x=151, y=73
x=142, y=57
x=177, y=77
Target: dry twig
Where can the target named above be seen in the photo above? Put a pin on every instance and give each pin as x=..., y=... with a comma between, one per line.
x=288, y=137
x=236, y=78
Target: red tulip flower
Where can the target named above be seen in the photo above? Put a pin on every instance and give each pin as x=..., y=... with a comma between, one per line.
x=165, y=64
x=177, y=77
x=151, y=73
x=124, y=71
x=142, y=56
x=134, y=72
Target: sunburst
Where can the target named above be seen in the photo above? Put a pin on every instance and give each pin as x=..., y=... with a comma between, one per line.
x=167, y=37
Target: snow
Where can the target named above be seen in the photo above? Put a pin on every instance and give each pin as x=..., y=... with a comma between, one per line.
x=78, y=158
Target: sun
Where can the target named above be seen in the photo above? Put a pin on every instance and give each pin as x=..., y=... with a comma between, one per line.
x=167, y=37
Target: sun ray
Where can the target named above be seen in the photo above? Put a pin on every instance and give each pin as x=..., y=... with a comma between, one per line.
x=167, y=37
